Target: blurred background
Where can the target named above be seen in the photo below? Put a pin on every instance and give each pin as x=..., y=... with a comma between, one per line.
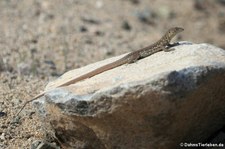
x=40, y=40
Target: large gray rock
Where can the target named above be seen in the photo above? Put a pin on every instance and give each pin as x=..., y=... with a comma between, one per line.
x=158, y=102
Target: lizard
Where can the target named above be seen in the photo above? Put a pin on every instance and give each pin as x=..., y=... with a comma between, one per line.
x=163, y=44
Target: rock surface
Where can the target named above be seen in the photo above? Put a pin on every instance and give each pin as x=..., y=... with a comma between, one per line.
x=158, y=102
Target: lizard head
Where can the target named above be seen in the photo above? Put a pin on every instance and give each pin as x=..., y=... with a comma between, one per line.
x=170, y=34
x=174, y=31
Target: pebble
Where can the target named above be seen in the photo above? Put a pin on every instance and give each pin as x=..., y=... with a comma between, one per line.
x=126, y=25
x=165, y=12
x=51, y=64
x=16, y=120
x=221, y=2
x=135, y=1
x=99, y=33
x=99, y=4
x=35, y=144
x=24, y=68
x=2, y=114
x=221, y=25
x=40, y=144
x=200, y=5
x=90, y=20
x=2, y=137
x=83, y=29
x=146, y=16
x=2, y=64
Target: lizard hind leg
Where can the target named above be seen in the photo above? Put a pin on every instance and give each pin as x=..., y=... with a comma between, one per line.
x=133, y=59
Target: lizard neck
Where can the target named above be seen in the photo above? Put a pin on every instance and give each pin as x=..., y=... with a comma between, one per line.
x=165, y=40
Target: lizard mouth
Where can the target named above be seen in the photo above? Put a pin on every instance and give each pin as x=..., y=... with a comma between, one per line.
x=179, y=29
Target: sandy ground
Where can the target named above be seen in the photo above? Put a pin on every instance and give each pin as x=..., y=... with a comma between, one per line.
x=40, y=40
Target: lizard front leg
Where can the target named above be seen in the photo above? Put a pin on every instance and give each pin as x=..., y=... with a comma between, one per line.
x=169, y=48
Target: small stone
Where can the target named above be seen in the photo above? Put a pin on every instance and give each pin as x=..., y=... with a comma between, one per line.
x=99, y=33
x=126, y=26
x=221, y=14
x=83, y=29
x=221, y=25
x=35, y=144
x=24, y=68
x=39, y=144
x=51, y=64
x=146, y=16
x=34, y=40
x=15, y=120
x=16, y=101
x=135, y=1
x=88, y=41
x=90, y=20
x=2, y=114
x=4, y=126
x=99, y=4
x=2, y=137
x=165, y=12
x=33, y=51
x=221, y=1
x=200, y=5
x=2, y=64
